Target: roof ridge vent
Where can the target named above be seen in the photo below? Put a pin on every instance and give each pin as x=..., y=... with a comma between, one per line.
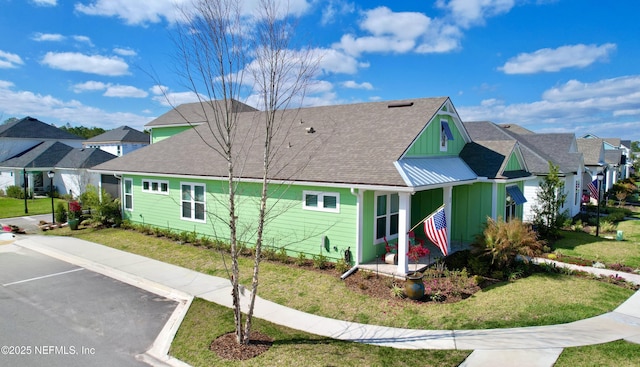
x=402, y=104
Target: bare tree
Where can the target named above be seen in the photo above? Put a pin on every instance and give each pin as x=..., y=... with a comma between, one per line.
x=223, y=57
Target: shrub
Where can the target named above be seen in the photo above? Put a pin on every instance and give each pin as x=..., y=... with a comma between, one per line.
x=341, y=266
x=15, y=192
x=458, y=260
x=320, y=261
x=282, y=256
x=301, y=260
x=504, y=241
x=61, y=213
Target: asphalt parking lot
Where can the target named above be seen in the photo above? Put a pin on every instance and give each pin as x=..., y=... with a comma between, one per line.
x=57, y=314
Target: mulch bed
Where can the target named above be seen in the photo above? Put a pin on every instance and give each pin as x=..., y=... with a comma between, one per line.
x=226, y=347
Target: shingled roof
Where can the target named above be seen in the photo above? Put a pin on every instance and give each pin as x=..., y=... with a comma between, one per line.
x=122, y=134
x=195, y=113
x=592, y=150
x=54, y=154
x=32, y=128
x=537, y=149
x=348, y=144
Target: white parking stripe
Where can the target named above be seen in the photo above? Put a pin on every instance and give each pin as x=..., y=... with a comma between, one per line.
x=42, y=277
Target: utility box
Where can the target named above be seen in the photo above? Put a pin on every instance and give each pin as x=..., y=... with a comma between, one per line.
x=619, y=236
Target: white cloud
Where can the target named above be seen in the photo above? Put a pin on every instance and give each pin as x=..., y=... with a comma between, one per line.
x=402, y=25
x=171, y=99
x=610, y=88
x=390, y=32
x=84, y=39
x=552, y=60
x=575, y=107
x=335, y=8
x=92, y=64
x=111, y=90
x=353, y=85
x=467, y=13
x=48, y=108
x=89, y=86
x=45, y=2
x=9, y=60
x=124, y=91
x=143, y=12
x=124, y=51
x=54, y=37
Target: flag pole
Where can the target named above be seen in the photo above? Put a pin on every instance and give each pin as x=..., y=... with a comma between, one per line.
x=425, y=218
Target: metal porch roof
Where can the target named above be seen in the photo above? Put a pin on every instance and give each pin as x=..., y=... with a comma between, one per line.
x=418, y=172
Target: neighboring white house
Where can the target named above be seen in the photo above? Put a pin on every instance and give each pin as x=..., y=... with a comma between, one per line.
x=538, y=150
x=119, y=141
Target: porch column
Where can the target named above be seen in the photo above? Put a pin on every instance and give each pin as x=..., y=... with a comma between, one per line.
x=494, y=201
x=447, y=201
x=404, y=222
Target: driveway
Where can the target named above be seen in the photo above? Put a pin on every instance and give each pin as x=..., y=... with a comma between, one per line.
x=57, y=314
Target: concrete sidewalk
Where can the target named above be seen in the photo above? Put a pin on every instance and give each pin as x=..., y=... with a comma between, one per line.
x=529, y=346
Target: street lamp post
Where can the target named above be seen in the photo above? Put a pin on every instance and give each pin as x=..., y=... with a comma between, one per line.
x=53, y=213
x=600, y=176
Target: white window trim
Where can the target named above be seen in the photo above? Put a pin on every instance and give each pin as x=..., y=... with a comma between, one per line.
x=124, y=194
x=159, y=182
x=443, y=137
x=387, y=215
x=193, y=210
x=320, y=207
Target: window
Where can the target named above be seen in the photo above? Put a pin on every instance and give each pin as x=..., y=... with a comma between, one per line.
x=155, y=186
x=576, y=200
x=387, y=214
x=321, y=201
x=445, y=134
x=128, y=194
x=513, y=199
x=193, y=202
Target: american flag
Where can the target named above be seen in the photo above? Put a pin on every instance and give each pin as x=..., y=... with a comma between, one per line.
x=435, y=227
x=593, y=189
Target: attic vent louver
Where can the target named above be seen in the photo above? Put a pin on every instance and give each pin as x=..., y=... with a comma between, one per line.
x=310, y=130
x=405, y=104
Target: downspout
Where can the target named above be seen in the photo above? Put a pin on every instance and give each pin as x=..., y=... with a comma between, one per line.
x=359, y=211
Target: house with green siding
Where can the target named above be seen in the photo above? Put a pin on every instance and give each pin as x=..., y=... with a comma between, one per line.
x=346, y=177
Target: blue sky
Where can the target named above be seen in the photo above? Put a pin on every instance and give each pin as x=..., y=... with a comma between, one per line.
x=548, y=65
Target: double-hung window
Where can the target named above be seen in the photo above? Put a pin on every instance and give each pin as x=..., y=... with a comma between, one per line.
x=387, y=214
x=321, y=201
x=193, y=201
x=128, y=194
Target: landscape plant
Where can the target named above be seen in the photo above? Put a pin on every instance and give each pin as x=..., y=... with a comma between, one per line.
x=550, y=198
x=504, y=242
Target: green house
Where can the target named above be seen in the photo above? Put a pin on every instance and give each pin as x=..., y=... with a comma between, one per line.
x=345, y=177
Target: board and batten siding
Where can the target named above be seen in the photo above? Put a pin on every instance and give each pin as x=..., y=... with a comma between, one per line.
x=161, y=133
x=471, y=205
x=428, y=143
x=291, y=226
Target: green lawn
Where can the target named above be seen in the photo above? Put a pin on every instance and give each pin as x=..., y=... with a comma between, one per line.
x=601, y=249
x=619, y=354
x=10, y=207
x=205, y=321
x=536, y=300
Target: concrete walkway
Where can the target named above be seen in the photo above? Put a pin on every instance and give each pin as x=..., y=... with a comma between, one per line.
x=529, y=346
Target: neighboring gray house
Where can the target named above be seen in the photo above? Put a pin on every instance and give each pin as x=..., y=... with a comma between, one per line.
x=594, y=159
x=119, y=141
x=22, y=136
x=68, y=164
x=537, y=151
